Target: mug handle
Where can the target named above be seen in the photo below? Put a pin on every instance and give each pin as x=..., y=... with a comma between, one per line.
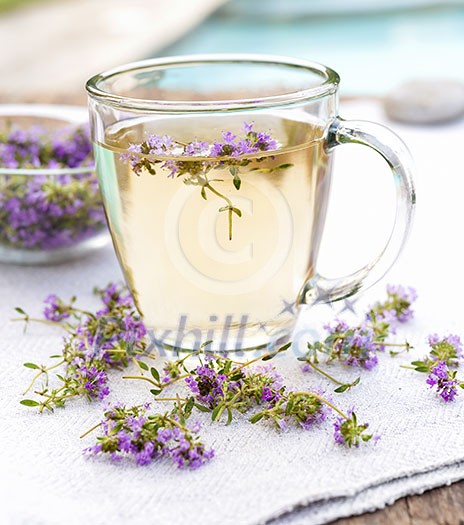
x=320, y=289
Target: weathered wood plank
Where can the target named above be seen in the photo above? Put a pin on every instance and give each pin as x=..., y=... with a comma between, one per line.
x=442, y=506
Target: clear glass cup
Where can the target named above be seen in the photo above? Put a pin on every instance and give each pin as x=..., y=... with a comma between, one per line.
x=47, y=215
x=215, y=174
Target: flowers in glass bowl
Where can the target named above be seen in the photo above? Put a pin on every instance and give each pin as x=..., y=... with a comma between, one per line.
x=50, y=204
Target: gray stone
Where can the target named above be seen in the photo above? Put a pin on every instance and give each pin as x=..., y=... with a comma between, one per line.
x=426, y=102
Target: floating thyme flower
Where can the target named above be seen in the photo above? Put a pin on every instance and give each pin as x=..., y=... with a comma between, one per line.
x=194, y=160
x=133, y=432
x=48, y=211
x=112, y=337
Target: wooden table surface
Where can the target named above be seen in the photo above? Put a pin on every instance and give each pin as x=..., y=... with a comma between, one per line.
x=441, y=506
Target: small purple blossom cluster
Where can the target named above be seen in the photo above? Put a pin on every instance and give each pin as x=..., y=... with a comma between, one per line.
x=446, y=353
x=132, y=432
x=95, y=343
x=55, y=309
x=228, y=150
x=48, y=211
x=359, y=345
x=444, y=380
x=253, y=142
x=396, y=309
x=347, y=431
x=208, y=385
x=195, y=159
x=354, y=346
x=222, y=385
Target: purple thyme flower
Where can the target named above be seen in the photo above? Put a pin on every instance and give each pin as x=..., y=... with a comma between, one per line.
x=91, y=379
x=207, y=384
x=197, y=147
x=355, y=346
x=50, y=211
x=450, y=345
x=248, y=127
x=396, y=309
x=132, y=432
x=403, y=297
x=444, y=380
x=338, y=436
x=347, y=431
x=55, y=310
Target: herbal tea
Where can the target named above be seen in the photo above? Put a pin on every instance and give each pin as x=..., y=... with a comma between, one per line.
x=216, y=222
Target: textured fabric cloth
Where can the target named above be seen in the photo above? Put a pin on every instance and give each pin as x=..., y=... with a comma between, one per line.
x=258, y=474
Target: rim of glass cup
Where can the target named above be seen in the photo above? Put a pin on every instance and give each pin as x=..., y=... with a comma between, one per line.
x=329, y=83
x=69, y=114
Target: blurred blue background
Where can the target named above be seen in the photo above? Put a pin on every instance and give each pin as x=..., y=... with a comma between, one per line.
x=374, y=45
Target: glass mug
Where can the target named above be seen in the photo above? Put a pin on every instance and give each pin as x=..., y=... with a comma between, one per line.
x=215, y=174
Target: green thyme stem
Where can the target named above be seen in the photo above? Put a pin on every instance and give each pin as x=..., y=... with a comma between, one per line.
x=43, y=370
x=143, y=378
x=381, y=343
x=64, y=326
x=229, y=204
x=90, y=430
x=322, y=372
x=170, y=399
x=229, y=404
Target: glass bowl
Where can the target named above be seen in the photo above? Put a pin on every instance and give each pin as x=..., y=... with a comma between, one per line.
x=47, y=214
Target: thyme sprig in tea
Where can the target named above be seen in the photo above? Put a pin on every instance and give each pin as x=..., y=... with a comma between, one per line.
x=234, y=152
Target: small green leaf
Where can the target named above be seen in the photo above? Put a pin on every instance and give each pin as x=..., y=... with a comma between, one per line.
x=237, y=182
x=215, y=412
x=289, y=407
x=155, y=373
x=143, y=365
x=32, y=365
x=189, y=406
x=268, y=357
x=203, y=193
x=237, y=211
x=202, y=408
x=224, y=208
x=366, y=437
x=257, y=417
x=284, y=166
x=341, y=389
x=155, y=392
x=206, y=343
x=356, y=381
x=261, y=170
x=285, y=347
x=20, y=311
x=29, y=403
